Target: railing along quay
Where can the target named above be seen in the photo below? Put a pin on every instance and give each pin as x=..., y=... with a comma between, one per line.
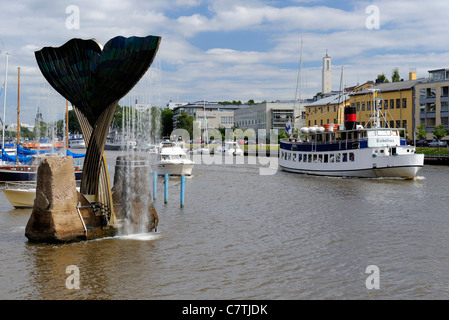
x=436, y=159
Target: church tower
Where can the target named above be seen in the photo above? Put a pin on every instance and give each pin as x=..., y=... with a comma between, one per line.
x=326, y=75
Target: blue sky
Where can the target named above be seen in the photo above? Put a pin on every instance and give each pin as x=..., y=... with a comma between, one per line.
x=227, y=49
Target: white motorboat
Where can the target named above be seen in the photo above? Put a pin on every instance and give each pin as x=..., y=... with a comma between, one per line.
x=172, y=159
x=21, y=195
x=115, y=144
x=200, y=150
x=230, y=148
x=350, y=150
x=77, y=142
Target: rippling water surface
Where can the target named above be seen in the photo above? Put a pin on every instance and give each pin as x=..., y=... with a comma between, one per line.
x=242, y=235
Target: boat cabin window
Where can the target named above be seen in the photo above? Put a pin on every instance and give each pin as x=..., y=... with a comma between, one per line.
x=338, y=158
x=383, y=132
x=289, y=156
x=326, y=158
x=299, y=157
x=294, y=157
x=332, y=158
x=351, y=156
x=345, y=157
x=310, y=158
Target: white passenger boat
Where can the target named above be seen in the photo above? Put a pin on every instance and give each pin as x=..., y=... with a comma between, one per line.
x=351, y=150
x=172, y=159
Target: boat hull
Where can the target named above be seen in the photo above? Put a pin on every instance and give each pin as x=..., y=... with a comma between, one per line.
x=20, y=198
x=17, y=175
x=175, y=169
x=364, y=165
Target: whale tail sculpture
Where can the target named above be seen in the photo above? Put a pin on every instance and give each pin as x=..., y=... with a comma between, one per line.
x=94, y=79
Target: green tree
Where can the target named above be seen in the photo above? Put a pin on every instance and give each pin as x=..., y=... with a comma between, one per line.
x=439, y=132
x=185, y=122
x=74, y=126
x=421, y=133
x=395, y=76
x=382, y=78
x=167, y=122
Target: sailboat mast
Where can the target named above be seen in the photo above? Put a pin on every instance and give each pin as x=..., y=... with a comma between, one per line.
x=18, y=111
x=4, y=102
x=298, y=80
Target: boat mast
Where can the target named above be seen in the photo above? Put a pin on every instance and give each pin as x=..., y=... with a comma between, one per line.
x=18, y=111
x=4, y=101
x=298, y=80
x=376, y=123
x=339, y=95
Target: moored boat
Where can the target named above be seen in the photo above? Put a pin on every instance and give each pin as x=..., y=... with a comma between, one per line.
x=172, y=159
x=350, y=150
x=28, y=171
x=230, y=148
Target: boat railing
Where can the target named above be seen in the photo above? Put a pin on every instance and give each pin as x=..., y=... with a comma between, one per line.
x=22, y=185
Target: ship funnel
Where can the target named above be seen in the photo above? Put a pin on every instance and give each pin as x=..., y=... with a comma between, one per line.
x=350, y=118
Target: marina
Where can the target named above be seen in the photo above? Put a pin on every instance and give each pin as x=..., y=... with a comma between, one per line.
x=253, y=237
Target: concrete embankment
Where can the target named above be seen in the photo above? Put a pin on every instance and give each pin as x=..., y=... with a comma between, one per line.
x=436, y=159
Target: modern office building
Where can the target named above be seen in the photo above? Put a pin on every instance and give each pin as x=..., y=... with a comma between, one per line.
x=210, y=114
x=270, y=115
x=431, y=100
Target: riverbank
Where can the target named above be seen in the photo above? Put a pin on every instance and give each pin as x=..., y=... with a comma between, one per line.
x=435, y=156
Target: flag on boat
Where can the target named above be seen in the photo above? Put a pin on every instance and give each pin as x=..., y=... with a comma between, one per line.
x=288, y=127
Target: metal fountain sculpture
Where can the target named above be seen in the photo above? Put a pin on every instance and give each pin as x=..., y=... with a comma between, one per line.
x=94, y=79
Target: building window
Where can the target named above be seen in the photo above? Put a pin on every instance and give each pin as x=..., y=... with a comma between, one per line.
x=444, y=106
x=430, y=122
x=398, y=123
x=445, y=91
x=404, y=124
x=358, y=106
x=391, y=124
x=386, y=104
x=430, y=92
x=422, y=93
x=444, y=121
x=363, y=106
x=430, y=107
x=368, y=106
x=380, y=104
x=392, y=103
x=404, y=102
x=398, y=103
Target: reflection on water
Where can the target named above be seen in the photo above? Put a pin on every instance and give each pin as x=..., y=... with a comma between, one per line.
x=242, y=235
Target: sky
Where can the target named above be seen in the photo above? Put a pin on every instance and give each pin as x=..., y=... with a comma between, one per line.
x=221, y=50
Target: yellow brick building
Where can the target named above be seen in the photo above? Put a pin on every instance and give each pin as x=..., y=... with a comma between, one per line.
x=395, y=103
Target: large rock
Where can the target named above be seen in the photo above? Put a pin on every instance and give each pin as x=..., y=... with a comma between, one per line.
x=55, y=217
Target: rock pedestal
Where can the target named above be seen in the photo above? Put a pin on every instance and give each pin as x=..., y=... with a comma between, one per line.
x=57, y=215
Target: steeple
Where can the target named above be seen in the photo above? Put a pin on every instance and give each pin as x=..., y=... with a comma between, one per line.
x=326, y=74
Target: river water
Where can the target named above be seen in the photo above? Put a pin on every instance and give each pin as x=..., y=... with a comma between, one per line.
x=246, y=235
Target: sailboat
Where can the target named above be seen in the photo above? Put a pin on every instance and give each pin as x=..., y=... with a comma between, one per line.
x=23, y=166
